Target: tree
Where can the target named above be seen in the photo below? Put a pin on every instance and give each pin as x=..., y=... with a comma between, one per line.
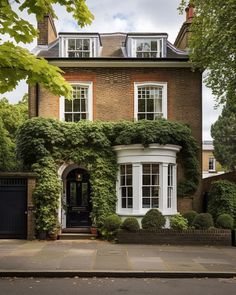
x=213, y=44
x=11, y=117
x=17, y=63
x=223, y=132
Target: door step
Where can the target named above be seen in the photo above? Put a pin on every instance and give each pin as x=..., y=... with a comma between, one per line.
x=76, y=236
x=84, y=229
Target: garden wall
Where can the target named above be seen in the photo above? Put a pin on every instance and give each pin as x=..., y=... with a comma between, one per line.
x=176, y=237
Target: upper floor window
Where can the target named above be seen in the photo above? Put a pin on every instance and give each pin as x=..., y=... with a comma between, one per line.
x=79, y=46
x=80, y=106
x=211, y=164
x=148, y=48
x=150, y=101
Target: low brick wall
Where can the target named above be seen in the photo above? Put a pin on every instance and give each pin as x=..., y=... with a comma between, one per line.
x=176, y=237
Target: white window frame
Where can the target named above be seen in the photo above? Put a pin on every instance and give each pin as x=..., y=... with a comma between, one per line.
x=90, y=100
x=126, y=186
x=213, y=162
x=150, y=84
x=159, y=47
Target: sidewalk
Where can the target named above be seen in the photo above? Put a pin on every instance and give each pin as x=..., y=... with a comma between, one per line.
x=101, y=258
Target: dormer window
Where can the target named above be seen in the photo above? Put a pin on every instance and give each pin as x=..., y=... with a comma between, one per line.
x=146, y=45
x=79, y=45
x=148, y=48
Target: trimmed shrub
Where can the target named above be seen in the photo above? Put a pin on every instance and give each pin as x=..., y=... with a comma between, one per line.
x=153, y=219
x=130, y=224
x=203, y=221
x=222, y=199
x=110, y=227
x=178, y=222
x=190, y=215
x=225, y=221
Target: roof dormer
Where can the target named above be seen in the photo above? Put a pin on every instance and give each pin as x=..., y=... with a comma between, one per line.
x=79, y=45
x=146, y=45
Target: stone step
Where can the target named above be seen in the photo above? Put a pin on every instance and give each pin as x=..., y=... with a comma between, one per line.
x=84, y=229
x=76, y=236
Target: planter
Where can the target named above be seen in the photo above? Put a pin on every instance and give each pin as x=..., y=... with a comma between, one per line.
x=42, y=235
x=94, y=230
x=53, y=236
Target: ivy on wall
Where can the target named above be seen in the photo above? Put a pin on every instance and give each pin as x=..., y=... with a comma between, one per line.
x=45, y=144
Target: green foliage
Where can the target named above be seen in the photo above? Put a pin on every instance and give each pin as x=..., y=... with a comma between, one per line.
x=111, y=226
x=178, y=222
x=90, y=144
x=203, y=221
x=153, y=219
x=223, y=132
x=11, y=117
x=46, y=195
x=213, y=45
x=222, y=199
x=190, y=215
x=225, y=221
x=17, y=63
x=130, y=224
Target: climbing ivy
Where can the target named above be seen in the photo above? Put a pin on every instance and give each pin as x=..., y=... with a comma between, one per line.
x=45, y=144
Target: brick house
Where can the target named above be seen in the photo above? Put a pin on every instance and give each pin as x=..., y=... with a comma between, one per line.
x=123, y=76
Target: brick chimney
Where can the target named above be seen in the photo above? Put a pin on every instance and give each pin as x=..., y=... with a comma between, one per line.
x=47, y=30
x=182, y=38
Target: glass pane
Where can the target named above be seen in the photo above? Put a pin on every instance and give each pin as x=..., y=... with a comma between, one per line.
x=155, y=191
x=79, y=44
x=68, y=105
x=155, y=168
x=83, y=105
x=86, y=54
x=146, y=191
x=150, y=116
x=154, y=45
x=155, y=179
x=68, y=117
x=71, y=44
x=122, y=169
x=146, y=180
x=141, y=105
x=129, y=180
x=86, y=44
x=122, y=180
x=146, y=169
x=84, y=199
x=155, y=203
x=84, y=116
x=76, y=105
x=71, y=54
x=158, y=105
x=141, y=116
x=150, y=105
x=123, y=192
x=129, y=169
x=146, y=203
x=123, y=200
x=130, y=203
x=130, y=191
x=76, y=117
x=73, y=200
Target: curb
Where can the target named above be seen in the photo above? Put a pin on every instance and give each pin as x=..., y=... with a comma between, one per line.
x=115, y=274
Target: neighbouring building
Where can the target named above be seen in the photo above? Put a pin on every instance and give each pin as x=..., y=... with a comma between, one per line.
x=124, y=76
x=210, y=167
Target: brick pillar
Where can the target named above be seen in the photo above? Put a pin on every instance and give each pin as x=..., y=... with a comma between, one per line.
x=30, y=209
x=47, y=30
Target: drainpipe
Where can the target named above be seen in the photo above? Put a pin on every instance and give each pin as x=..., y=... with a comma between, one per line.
x=37, y=99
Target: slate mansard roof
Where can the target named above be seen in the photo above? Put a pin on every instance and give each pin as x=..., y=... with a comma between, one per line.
x=113, y=46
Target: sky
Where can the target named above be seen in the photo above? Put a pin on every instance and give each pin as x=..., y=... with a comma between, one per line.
x=127, y=16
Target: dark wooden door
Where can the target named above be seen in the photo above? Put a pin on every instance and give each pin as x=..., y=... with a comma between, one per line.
x=78, y=199
x=13, y=206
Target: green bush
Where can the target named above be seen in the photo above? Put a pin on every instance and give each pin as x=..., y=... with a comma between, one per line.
x=110, y=227
x=178, y=222
x=225, y=221
x=153, y=219
x=203, y=221
x=190, y=215
x=222, y=199
x=130, y=224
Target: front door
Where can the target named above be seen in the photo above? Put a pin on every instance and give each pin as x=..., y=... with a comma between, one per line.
x=78, y=198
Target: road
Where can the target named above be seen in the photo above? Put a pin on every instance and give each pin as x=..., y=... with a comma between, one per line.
x=108, y=286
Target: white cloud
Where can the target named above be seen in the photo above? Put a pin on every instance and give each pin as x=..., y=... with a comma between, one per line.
x=128, y=16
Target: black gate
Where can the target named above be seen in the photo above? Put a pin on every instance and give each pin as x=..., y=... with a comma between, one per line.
x=13, y=206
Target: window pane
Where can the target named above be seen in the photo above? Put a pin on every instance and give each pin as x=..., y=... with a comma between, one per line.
x=77, y=117
x=150, y=116
x=129, y=180
x=155, y=202
x=71, y=54
x=130, y=191
x=158, y=105
x=76, y=105
x=146, y=180
x=155, y=168
x=141, y=116
x=68, y=105
x=141, y=105
x=122, y=180
x=146, y=203
x=83, y=105
x=86, y=54
x=79, y=44
x=123, y=200
x=155, y=191
x=154, y=45
x=146, y=169
x=68, y=117
x=122, y=169
x=155, y=179
x=71, y=44
x=150, y=105
x=146, y=191
x=130, y=203
x=83, y=116
x=86, y=44
x=129, y=169
x=123, y=192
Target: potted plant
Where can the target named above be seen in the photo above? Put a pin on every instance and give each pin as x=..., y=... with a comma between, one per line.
x=93, y=228
x=53, y=233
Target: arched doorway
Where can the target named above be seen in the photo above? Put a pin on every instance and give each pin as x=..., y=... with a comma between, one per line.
x=78, y=203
